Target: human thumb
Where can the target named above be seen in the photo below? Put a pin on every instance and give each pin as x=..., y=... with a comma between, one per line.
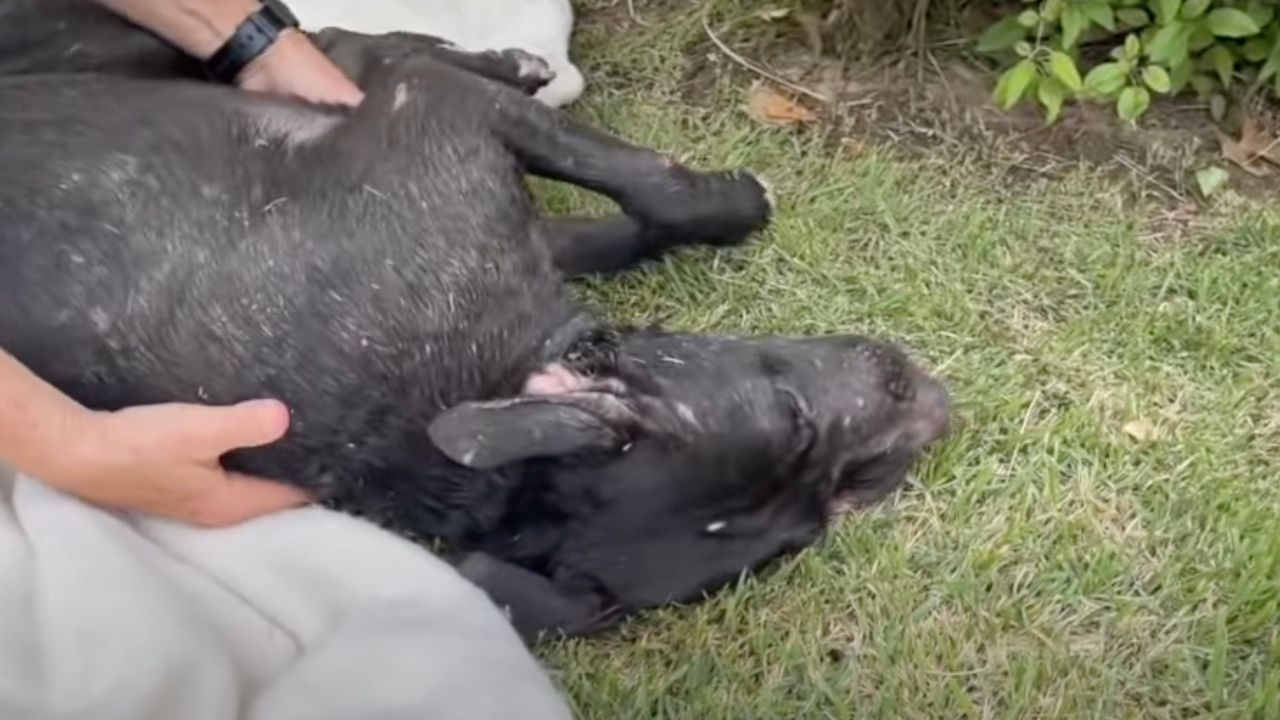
x=232, y=498
x=214, y=431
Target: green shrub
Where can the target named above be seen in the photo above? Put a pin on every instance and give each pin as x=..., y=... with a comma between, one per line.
x=1133, y=48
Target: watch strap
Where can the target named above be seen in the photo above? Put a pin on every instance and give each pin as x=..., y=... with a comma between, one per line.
x=250, y=40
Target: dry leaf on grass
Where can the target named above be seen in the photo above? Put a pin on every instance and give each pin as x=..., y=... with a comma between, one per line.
x=1254, y=149
x=1141, y=430
x=767, y=105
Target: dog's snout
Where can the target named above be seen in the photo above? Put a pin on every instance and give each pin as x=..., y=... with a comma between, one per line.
x=930, y=411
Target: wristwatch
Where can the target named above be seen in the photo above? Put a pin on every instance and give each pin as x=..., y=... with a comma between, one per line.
x=251, y=38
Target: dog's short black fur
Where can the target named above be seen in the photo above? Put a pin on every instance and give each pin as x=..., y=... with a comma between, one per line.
x=384, y=271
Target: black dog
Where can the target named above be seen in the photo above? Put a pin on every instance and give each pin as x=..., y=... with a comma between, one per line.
x=384, y=272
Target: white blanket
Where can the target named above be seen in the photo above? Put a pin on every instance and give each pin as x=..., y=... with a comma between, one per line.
x=541, y=27
x=305, y=614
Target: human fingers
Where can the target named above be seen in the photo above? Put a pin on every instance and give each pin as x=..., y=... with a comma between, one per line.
x=223, y=499
x=294, y=66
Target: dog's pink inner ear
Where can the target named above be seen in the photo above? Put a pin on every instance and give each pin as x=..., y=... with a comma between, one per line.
x=555, y=379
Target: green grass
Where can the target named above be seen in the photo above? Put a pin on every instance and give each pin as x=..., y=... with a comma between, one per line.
x=1042, y=563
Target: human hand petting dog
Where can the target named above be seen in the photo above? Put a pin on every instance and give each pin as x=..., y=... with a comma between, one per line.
x=290, y=66
x=295, y=67
x=156, y=459
x=164, y=459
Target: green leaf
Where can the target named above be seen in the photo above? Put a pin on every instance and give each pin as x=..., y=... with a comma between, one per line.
x=1179, y=76
x=1223, y=62
x=1272, y=65
x=1106, y=79
x=1134, y=100
x=1063, y=68
x=1001, y=36
x=1100, y=12
x=1255, y=51
x=1262, y=12
x=1157, y=78
x=1051, y=94
x=1167, y=10
x=1074, y=23
x=1169, y=45
x=1211, y=180
x=1201, y=37
x=1133, y=17
x=1028, y=19
x=1014, y=82
x=1132, y=47
x=1218, y=107
x=1023, y=49
x=1193, y=9
x=1232, y=23
x=1204, y=85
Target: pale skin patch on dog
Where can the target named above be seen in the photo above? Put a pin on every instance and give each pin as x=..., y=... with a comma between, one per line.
x=401, y=97
x=554, y=379
x=295, y=127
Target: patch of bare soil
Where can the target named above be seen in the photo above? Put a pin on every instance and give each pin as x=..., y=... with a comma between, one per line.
x=941, y=102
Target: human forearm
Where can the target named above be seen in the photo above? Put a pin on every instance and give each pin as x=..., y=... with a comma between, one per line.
x=36, y=420
x=292, y=65
x=199, y=27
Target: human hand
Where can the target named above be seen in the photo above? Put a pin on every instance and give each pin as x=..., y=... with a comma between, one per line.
x=294, y=66
x=163, y=460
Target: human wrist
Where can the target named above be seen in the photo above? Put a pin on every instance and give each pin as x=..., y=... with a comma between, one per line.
x=208, y=25
x=258, y=74
x=75, y=446
x=57, y=442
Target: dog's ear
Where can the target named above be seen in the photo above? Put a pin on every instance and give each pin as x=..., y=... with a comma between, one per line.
x=485, y=435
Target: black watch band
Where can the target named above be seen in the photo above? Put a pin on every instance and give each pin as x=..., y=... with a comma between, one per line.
x=250, y=39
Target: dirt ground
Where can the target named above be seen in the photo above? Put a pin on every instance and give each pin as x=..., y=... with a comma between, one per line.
x=939, y=100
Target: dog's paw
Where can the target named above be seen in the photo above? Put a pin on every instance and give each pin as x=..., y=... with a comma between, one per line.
x=531, y=72
x=716, y=208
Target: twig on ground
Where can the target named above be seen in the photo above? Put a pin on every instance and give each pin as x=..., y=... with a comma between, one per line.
x=1133, y=166
x=753, y=67
x=918, y=17
x=1265, y=153
x=635, y=17
x=951, y=96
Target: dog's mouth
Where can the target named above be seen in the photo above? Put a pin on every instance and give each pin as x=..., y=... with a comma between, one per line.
x=870, y=481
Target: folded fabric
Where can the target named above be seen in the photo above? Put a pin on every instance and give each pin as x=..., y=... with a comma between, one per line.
x=307, y=614
x=541, y=27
